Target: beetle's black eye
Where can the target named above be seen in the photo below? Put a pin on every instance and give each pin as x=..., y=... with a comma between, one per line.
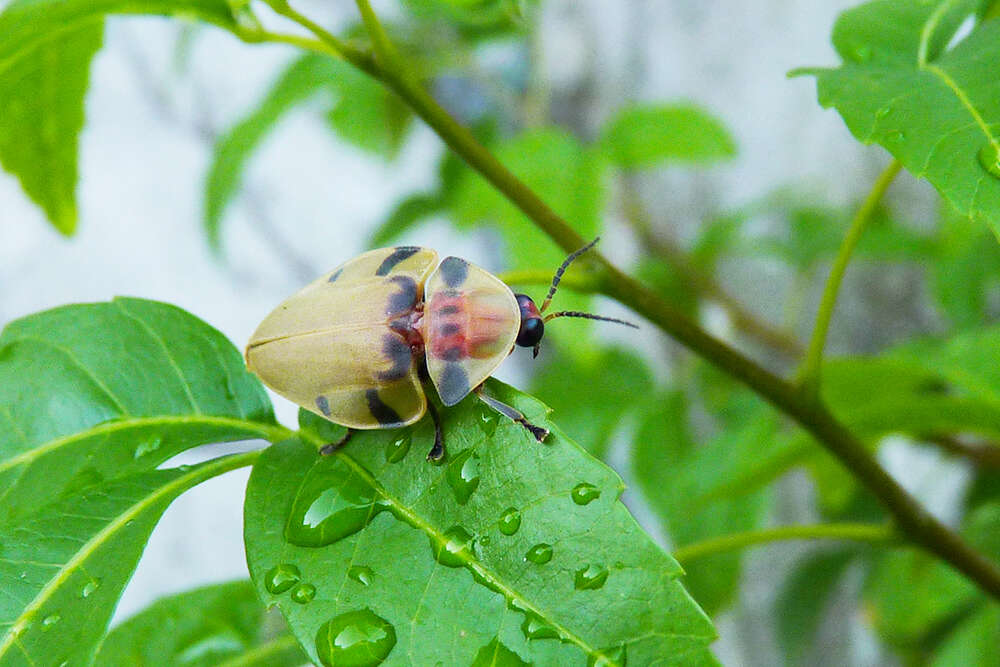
x=531, y=332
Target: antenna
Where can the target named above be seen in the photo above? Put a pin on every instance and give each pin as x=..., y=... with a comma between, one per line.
x=588, y=316
x=561, y=270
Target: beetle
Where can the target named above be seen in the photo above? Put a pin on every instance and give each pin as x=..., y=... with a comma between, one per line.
x=359, y=345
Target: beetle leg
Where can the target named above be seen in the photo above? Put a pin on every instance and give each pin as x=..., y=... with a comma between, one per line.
x=437, y=451
x=334, y=447
x=511, y=413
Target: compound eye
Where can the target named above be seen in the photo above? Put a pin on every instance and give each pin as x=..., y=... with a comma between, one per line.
x=532, y=329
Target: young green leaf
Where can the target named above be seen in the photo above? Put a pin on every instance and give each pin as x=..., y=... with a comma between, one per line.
x=92, y=399
x=222, y=625
x=936, y=110
x=966, y=270
x=511, y=547
x=646, y=136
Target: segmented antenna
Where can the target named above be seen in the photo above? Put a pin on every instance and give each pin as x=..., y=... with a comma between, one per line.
x=561, y=270
x=588, y=316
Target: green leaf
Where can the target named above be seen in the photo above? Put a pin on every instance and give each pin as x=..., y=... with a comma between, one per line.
x=592, y=416
x=937, y=111
x=93, y=398
x=645, y=135
x=63, y=566
x=682, y=483
x=218, y=625
x=300, y=80
x=366, y=113
x=974, y=641
x=42, y=118
x=966, y=270
x=451, y=563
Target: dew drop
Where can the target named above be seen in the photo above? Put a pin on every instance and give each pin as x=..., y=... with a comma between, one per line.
x=463, y=475
x=281, y=577
x=584, y=493
x=90, y=587
x=488, y=420
x=590, y=578
x=484, y=540
x=361, y=574
x=147, y=446
x=510, y=521
x=989, y=158
x=355, y=639
x=535, y=628
x=456, y=549
x=540, y=553
x=50, y=620
x=606, y=657
x=496, y=654
x=333, y=502
x=303, y=593
x=882, y=112
x=397, y=450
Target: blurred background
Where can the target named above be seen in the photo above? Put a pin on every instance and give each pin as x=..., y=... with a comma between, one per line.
x=190, y=134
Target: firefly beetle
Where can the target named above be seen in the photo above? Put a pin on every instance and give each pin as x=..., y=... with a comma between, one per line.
x=358, y=345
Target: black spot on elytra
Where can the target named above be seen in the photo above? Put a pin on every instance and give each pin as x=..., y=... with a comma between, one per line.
x=336, y=275
x=405, y=299
x=382, y=413
x=449, y=329
x=453, y=385
x=451, y=354
x=396, y=349
x=323, y=405
x=397, y=256
x=454, y=270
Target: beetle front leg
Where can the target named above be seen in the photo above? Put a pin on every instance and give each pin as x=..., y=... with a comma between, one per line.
x=333, y=447
x=511, y=413
x=437, y=451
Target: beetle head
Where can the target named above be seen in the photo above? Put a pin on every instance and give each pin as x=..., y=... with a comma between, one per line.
x=532, y=326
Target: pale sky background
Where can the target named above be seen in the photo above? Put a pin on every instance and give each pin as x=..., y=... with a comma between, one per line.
x=143, y=162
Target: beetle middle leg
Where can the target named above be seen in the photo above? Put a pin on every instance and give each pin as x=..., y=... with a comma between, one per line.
x=511, y=413
x=333, y=447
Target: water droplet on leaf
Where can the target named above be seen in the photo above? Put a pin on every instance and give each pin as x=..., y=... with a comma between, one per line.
x=540, y=553
x=50, y=620
x=397, y=450
x=989, y=158
x=463, y=475
x=333, y=502
x=882, y=112
x=456, y=549
x=510, y=521
x=280, y=578
x=590, y=578
x=535, y=628
x=607, y=657
x=147, y=446
x=488, y=420
x=496, y=654
x=355, y=639
x=862, y=53
x=361, y=574
x=584, y=493
x=303, y=593
x=90, y=587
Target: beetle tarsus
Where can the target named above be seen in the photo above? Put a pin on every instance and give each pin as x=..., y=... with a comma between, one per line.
x=511, y=413
x=334, y=447
x=537, y=431
x=437, y=451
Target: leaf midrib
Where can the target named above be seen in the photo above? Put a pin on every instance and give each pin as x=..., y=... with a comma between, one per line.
x=473, y=564
x=186, y=480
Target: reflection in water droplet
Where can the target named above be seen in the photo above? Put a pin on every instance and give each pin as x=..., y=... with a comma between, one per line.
x=355, y=639
x=333, y=502
x=883, y=112
x=456, y=549
x=510, y=521
x=540, y=553
x=148, y=446
x=590, y=578
x=496, y=654
x=488, y=420
x=50, y=620
x=303, y=593
x=463, y=475
x=484, y=540
x=281, y=577
x=90, y=587
x=607, y=657
x=535, y=628
x=584, y=493
x=397, y=450
x=361, y=574
x=989, y=158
